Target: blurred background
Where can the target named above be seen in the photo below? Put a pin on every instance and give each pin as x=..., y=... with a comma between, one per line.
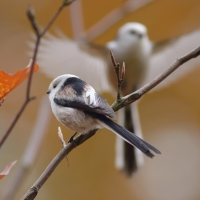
x=170, y=117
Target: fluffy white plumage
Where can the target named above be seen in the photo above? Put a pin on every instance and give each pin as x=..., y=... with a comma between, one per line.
x=80, y=58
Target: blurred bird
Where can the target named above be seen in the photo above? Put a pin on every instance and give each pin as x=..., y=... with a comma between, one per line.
x=144, y=60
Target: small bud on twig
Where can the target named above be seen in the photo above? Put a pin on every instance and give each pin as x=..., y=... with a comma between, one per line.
x=123, y=72
x=30, y=12
x=60, y=135
x=112, y=58
x=31, y=16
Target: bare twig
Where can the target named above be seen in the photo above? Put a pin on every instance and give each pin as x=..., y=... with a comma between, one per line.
x=119, y=73
x=31, y=194
x=64, y=4
x=31, y=17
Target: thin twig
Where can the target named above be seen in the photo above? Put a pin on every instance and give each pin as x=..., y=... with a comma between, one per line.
x=31, y=194
x=31, y=17
x=64, y=4
x=119, y=73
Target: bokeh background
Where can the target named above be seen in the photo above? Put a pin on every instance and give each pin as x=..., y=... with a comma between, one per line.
x=170, y=117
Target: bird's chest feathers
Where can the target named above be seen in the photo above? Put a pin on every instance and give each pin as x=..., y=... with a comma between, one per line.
x=63, y=114
x=134, y=57
x=72, y=118
x=75, y=119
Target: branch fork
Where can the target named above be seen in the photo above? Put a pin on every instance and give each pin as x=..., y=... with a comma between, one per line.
x=120, y=72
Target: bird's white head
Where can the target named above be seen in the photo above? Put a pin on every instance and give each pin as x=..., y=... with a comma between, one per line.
x=132, y=29
x=56, y=84
x=131, y=37
x=131, y=33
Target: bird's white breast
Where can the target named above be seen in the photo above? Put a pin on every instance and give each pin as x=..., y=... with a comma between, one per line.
x=136, y=56
x=75, y=119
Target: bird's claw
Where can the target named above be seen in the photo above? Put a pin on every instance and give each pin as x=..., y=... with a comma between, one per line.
x=71, y=140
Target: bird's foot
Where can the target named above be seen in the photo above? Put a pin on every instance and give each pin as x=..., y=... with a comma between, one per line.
x=71, y=140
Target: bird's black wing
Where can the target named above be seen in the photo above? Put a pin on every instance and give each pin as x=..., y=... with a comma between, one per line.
x=80, y=104
x=76, y=93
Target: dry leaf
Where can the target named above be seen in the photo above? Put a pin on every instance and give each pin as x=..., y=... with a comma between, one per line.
x=7, y=169
x=10, y=81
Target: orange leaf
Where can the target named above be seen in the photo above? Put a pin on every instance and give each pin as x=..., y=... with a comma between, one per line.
x=10, y=81
x=7, y=169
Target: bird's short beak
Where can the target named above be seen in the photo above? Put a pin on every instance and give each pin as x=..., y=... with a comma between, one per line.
x=48, y=92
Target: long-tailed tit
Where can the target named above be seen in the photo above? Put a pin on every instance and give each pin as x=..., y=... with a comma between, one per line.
x=144, y=60
x=77, y=106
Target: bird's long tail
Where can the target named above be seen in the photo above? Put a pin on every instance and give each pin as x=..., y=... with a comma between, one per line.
x=128, y=136
x=128, y=158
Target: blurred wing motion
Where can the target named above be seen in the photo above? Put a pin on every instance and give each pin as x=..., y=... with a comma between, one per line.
x=61, y=55
x=165, y=55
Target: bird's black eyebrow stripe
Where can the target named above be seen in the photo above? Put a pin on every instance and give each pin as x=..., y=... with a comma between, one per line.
x=76, y=84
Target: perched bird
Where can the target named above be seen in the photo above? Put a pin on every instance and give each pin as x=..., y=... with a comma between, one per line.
x=144, y=60
x=77, y=106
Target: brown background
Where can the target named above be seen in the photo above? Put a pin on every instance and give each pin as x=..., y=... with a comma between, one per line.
x=170, y=117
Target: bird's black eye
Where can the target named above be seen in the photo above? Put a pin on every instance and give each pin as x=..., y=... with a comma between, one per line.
x=133, y=32
x=54, y=86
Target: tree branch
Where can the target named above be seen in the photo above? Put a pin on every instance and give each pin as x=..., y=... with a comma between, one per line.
x=31, y=17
